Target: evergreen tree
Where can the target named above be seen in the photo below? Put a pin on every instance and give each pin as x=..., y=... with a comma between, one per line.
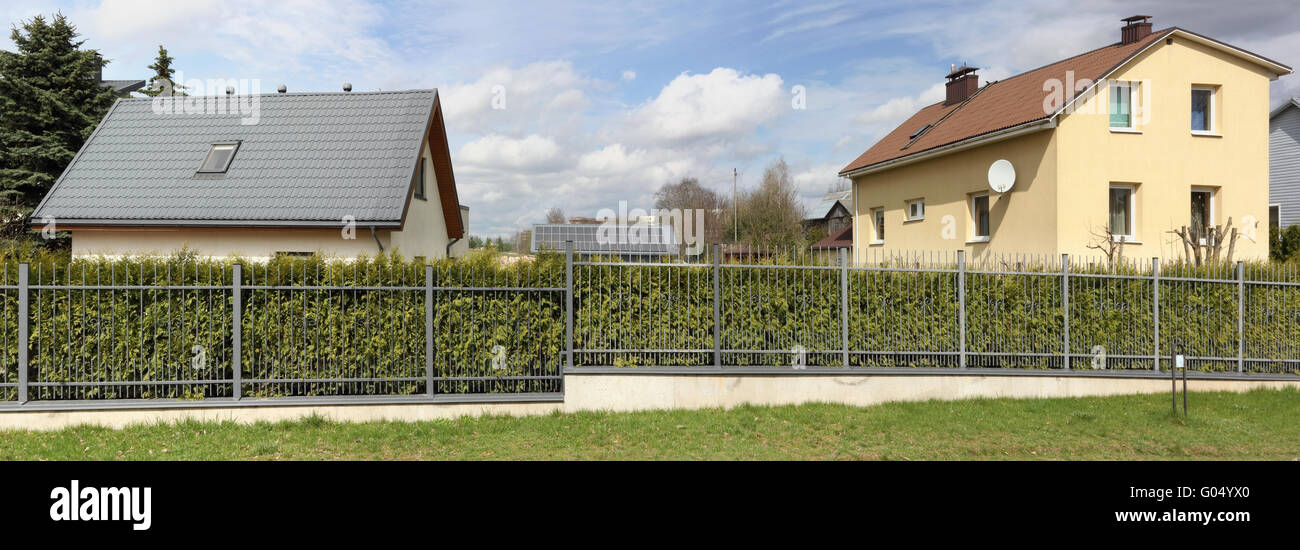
x=50, y=102
x=163, y=80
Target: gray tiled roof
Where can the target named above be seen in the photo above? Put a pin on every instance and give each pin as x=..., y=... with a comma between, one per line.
x=311, y=159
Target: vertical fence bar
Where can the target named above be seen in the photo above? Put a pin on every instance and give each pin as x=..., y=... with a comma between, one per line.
x=568, y=308
x=844, y=306
x=237, y=330
x=1155, y=312
x=1241, y=316
x=428, y=330
x=24, y=272
x=1065, y=305
x=717, y=307
x=961, y=308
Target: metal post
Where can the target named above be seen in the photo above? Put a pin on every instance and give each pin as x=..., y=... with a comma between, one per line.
x=1155, y=311
x=24, y=271
x=1065, y=304
x=428, y=330
x=1241, y=319
x=961, y=307
x=844, y=306
x=717, y=306
x=237, y=330
x=568, y=307
x=1173, y=377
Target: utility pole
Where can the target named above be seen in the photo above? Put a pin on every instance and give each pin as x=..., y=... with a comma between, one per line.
x=735, y=208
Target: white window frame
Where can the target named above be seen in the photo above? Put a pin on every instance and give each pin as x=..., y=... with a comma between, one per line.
x=912, y=203
x=975, y=237
x=1132, y=116
x=1131, y=236
x=1279, y=215
x=1214, y=193
x=877, y=224
x=1214, y=111
x=225, y=167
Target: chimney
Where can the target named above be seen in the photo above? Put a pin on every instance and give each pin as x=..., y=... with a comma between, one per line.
x=1135, y=28
x=962, y=83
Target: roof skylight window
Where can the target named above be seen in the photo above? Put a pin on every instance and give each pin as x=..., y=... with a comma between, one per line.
x=219, y=157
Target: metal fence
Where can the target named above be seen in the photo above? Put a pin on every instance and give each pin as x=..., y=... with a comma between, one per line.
x=163, y=330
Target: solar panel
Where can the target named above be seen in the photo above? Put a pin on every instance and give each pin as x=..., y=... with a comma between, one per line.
x=618, y=239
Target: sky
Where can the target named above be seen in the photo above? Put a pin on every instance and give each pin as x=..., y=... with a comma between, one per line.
x=582, y=105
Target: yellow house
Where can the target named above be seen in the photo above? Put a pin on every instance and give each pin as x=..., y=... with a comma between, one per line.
x=1126, y=143
x=340, y=174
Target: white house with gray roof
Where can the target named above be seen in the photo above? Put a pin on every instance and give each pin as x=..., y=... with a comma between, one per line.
x=341, y=174
x=1284, y=165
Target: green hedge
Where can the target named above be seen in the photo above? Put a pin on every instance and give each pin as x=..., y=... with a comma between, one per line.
x=486, y=339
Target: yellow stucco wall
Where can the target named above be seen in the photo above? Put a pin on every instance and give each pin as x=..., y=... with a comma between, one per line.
x=1165, y=161
x=425, y=234
x=1021, y=220
x=1063, y=175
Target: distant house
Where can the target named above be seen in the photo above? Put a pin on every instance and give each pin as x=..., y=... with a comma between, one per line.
x=1284, y=165
x=832, y=214
x=337, y=173
x=1160, y=130
x=122, y=88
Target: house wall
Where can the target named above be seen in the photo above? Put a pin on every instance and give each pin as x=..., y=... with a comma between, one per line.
x=1021, y=220
x=425, y=234
x=1165, y=160
x=1284, y=164
x=252, y=244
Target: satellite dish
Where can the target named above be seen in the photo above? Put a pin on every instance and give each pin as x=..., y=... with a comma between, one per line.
x=1002, y=176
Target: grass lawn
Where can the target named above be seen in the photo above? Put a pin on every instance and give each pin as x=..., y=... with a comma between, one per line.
x=1263, y=424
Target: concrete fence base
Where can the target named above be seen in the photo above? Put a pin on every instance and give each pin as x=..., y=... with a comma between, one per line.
x=639, y=392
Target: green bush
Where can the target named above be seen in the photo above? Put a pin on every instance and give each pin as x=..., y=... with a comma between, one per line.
x=156, y=339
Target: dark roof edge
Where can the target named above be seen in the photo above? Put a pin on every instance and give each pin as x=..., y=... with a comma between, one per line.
x=300, y=94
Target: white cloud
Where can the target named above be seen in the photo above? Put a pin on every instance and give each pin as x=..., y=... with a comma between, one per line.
x=493, y=152
x=722, y=104
x=629, y=75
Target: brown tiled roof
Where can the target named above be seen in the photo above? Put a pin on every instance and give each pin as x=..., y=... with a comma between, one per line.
x=841, y=239
x=998, y=105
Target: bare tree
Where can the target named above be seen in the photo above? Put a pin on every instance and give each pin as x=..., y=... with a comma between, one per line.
x=688, y=194
x=1109, y=244
x=772, y=214
x=555, y=215
x=1208, y=248
x=840, y=184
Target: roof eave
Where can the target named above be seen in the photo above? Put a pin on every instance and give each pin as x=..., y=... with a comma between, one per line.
x=968, y=143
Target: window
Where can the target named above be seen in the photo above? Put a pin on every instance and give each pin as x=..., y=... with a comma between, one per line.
x=1274, y=216
x=1121, y=212
x=1202, y=213
x=1121, y=105
x=419, y=181
x=1202, y=110
x=219, y=157
x=286, y=254
x=916, y=210
x=979, y=209
x=878, y=223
